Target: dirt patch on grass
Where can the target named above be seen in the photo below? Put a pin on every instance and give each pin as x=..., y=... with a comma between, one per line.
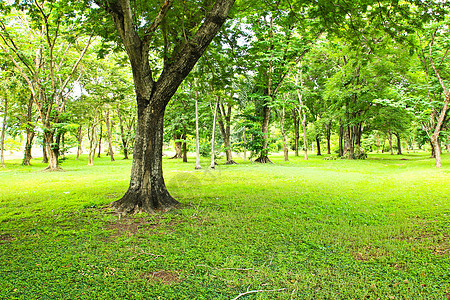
x=368, y=253
x=163, y=276
x=6, y=238
x=129, y=226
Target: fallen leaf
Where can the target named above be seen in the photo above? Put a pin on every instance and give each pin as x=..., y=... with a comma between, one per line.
x=373, y=287
x=406, y=281
x=448, y=296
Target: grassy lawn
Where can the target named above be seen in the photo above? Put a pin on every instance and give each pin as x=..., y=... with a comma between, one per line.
x=316, y=229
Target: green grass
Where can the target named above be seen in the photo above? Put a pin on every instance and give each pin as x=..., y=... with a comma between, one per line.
x=318, y=229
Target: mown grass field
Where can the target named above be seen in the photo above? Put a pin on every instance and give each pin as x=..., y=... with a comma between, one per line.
x=316, y=229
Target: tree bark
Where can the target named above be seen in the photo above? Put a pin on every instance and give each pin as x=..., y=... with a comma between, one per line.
x=318, y=145
x=92, y=136
x=213, y=163
x=264, y=156
x=341, y=140
x=225, y=130
x=178, y=146
x=52, y=144
x=399, y=144
x=28, y=146
x=283, y=134
x=44, y=151
x=328, y=128
x=109, y=129
x=100, y=141
x=197, y=137
x=2, y=139
x=80, y=141
x=29, y=133
x=184, y=147
x=390, y=142
x=351, y=142
x=296, y=131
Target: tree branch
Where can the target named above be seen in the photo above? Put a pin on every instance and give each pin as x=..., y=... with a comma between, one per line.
x=158, y=20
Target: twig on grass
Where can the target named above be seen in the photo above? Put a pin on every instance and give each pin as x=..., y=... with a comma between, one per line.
x=233, y=269
x=257, y=291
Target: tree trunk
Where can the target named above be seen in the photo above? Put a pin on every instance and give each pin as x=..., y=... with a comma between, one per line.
x=125, y=138
x=328, y=127
x=92, y=136
x=283, y=134
x=52, y=144
x=30, y=134
x=147, y=190
x=350, y=142
x=184, y=147
x=437, y=150
x=213, y=163
x=100, y=141
x=296, y=131
x=2, y=139
x=197, y=137
x=245, y=146
x=318, y=145
x=28, y=146
x=80, y=141
x=44, y=151
x=390, y=142
x=399, y=144
x=264, y=156
x=109, y=129
x=225, y=130
x=341, y=140
x=178, y=146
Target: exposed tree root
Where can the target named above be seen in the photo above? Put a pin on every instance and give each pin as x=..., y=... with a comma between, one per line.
x=263, y=160
x=176, y=156
x=231, y=162
x=133, y=202
x=48, y=169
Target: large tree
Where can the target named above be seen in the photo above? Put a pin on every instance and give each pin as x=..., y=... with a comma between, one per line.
x=180, y=33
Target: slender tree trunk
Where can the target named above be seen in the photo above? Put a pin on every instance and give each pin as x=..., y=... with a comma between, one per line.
x=100, y=141
x=318, y=145
x=264, y=157
x=305, y=138
x=109, y=129
x=328, y=127
x=296, y=131
x=390, y=142
x=125, y=138
x=92, y=136
x=80, y=141
x=44, y=151
x=341, y=139
x=245, y=146
x=197, y=138
x=28, y=146
x=350, y=142
x=399, y=144
x=2, y=139
x=283, y=133
x=224, y=121
x=213, y=163
x=30, y=134
x=184, y=147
